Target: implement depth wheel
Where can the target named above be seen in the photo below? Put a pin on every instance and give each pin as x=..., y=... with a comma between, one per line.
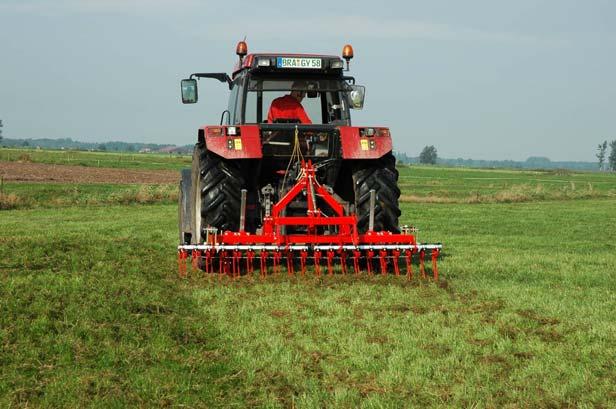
x=217, y=183
x=382, y=176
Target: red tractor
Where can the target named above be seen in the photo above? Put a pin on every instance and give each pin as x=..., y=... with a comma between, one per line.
x=281, y=181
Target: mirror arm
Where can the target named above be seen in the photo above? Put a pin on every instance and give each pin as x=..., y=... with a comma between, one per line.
x=222, y=117
x=220, y=76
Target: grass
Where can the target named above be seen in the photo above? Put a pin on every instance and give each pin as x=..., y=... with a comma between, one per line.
x=459, y=185
x=92, y=312
x=36, y=195
x=153, y=161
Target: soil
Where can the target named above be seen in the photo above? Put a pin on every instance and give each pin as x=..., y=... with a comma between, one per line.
x=41, y=172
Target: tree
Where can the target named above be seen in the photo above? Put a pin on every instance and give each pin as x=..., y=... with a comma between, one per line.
x=1, y=130
x=102, y=147
x=601, y=150
x=611, y=161
x=428, y=155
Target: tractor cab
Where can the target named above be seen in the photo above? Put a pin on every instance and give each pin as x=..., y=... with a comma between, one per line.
x=258, y=79
x=260, y=83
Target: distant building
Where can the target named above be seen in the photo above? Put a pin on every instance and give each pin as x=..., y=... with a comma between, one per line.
x=168, y=149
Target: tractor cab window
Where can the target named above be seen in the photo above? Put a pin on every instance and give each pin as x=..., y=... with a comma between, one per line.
x=322, y=102
x=234, y=103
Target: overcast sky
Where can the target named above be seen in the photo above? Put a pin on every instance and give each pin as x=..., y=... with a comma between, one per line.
x=478, y=79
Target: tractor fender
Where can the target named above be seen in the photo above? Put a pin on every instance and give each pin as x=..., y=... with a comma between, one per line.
x=356, y=144
x=245, y=144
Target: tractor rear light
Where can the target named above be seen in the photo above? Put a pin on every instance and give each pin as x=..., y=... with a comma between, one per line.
x=233, y=131
x=264, y=62
x=383, y=132
x=369, y=132
x=214, y=131
x=336, y=64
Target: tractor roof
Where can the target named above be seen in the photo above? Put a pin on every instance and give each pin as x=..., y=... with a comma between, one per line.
x=289, y=62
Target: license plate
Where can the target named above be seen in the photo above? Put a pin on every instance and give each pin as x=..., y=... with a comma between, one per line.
x=304, y=63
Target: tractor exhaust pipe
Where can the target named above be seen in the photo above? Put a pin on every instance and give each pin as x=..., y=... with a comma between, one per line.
x=243, y=210
x=372, y=205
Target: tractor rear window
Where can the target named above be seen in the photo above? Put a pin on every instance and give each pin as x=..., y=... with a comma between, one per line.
x=322, y=101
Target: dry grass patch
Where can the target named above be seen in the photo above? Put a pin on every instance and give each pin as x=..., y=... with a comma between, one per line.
x=9, y=201
x=515, y=194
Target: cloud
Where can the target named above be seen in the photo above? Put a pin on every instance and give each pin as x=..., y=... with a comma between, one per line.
x=58, y=7
x=370, y=27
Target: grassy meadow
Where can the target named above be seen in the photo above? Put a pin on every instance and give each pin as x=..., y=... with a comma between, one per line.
x=154, y=161
x=92, y=313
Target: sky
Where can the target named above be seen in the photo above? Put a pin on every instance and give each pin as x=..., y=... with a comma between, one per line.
x=481, y=79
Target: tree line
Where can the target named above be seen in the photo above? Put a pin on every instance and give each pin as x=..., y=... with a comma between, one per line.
x=429, y=155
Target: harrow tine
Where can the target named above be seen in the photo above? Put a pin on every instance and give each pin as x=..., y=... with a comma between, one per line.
x=408, y=255
x=370, y=254
x=330, y=260
x=383, y=261
x=422, y=267
x=194, y=258
x=277, y=257
x=317, y=262
x=435, y=253
x=356, y=256
x=290, y=270
x=263, y=256
x=343, y=256
x=303, y=256
x=237, y=255
x=395, y=257
x=250, y=255
x=182, y=256
x=208, y=261
x=223, y=269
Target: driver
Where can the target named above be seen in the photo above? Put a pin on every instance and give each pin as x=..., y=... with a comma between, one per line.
x=290, y=106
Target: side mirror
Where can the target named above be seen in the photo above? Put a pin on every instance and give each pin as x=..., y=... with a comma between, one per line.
x=356, y=95
x=189, y=91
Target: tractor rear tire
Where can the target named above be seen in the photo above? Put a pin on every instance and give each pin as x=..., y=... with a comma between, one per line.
x=217, y=183
x=382, y=176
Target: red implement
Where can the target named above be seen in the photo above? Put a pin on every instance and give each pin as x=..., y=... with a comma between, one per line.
x=229, y=248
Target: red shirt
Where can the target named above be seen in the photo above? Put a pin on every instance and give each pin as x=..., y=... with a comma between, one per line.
x=287, y=107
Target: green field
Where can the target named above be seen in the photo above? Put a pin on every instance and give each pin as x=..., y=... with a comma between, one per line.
x=96, y=159
x=92, y=312
x=18, y=195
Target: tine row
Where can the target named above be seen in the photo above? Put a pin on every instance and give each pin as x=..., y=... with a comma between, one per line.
x=236, y=262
